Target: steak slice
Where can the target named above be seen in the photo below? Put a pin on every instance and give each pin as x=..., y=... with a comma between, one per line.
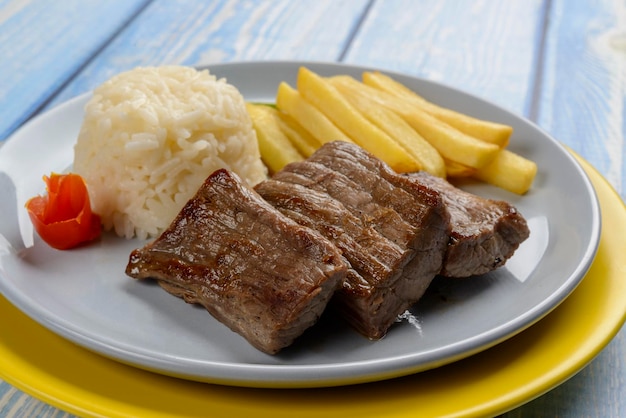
x=376, y=261
x=393, y=239
x=417, y=204
x=484, y=232
x=255, y=270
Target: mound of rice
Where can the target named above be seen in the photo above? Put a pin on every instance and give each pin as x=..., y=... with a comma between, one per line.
x=151, y=136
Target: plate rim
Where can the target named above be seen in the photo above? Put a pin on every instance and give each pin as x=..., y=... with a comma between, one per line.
x=283, y=376
x=26, y=370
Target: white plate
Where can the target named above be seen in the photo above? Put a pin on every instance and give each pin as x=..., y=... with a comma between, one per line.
x=84, y=295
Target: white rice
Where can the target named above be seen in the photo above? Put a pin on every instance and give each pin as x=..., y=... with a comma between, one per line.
x=151, y=136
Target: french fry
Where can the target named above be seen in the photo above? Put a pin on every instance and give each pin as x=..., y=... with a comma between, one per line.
x=299, y=137
x=456, y=170
x=308, y=116
x=276, y=149
x=401, y=132
x=393, y=123
x=509, y=171
x=451, y=143
x=321, y=94
x=491, y=132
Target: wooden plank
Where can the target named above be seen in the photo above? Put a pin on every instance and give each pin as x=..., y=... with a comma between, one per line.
x=492, y=49
x=204, y=33
x=43, y=43
x=16, y=404
x=583, y=104
x=584, y=83
x=197, y=33
x=483, y=47
x=583, y=47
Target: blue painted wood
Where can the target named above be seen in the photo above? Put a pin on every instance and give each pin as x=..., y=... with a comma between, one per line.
x=486, y=47
x=583, y=99
x=43, y=44
x=491, y=49
x=192, y=32
x=184, y=32
x=582, y=102
x=14, y=403
x=575, y=89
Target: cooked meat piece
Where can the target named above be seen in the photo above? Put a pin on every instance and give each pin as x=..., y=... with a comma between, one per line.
x=418, y=205
x=393, y=239
x=371, y=255
x=255, y=270
x=484, y=232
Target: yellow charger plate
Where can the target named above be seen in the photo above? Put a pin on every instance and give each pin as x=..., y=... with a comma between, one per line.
x=512, y=373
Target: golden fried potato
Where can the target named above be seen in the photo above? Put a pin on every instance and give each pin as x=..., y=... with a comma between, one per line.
x=401, y=132
x=276, y=149
x=308, y=116
x=299, y=137
x=491, y=132
x=509, y=171
x=451, y=143
x=456, y=170
x=321, y=94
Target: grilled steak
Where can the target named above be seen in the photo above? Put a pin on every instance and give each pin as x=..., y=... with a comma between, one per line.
x=392, y=230
x=484, y=232
x=255, y=270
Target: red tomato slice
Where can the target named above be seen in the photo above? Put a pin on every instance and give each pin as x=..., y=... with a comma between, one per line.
x=63, y=217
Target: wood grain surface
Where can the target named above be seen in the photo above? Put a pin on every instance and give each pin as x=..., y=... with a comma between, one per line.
x=44, y=44
x=561, y=64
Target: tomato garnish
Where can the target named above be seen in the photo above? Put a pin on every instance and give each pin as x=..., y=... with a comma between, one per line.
x=63, y=217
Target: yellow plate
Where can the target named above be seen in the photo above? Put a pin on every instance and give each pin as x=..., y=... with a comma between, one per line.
x=50, y=368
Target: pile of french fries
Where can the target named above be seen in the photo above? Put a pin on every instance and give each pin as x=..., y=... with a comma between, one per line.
x=390, y=121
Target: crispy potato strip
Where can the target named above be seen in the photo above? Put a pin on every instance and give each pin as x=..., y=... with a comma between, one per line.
x=392, y=122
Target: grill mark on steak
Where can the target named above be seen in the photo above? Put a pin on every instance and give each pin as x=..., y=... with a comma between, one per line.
x=266, y=263
x=359, y=202
x=415, y=221
x=369, y=252
x=376, y=176
x=362, y=246
x=484, y=232
x=255, y=270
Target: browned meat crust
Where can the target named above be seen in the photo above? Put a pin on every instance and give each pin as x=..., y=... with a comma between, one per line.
x=266, y=262
x=254, y=269
x=392, y=231
x=484, y=232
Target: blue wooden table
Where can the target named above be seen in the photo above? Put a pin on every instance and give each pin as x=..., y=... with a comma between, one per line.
x=562, y=64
